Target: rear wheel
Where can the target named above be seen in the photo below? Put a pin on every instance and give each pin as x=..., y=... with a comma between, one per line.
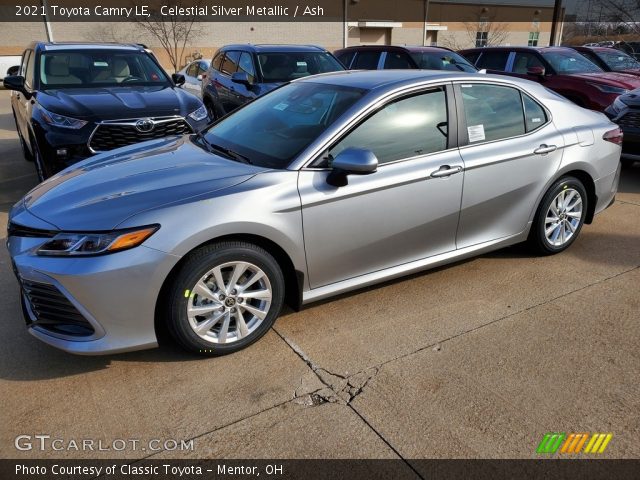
x=225, y=297
x=560, y=216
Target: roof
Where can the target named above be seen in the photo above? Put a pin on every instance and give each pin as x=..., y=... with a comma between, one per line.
x=264, y=48
x=53, y=46
x=390, y=48
x=372, y=79
x=516, y=48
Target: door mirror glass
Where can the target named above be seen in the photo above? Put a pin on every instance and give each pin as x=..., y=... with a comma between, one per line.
x=13, y=70
x=536, y=71
x=242, y=78
x=178, y=79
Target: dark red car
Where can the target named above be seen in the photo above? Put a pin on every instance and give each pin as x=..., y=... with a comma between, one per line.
x=560, y=69
x=611, y=59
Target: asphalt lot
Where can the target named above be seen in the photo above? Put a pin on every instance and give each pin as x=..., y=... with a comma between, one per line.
x=478, y=359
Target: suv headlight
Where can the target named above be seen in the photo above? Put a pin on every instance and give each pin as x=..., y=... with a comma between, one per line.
x=608, y=88
x=93, y=243
x=199, y=114
x=61, y=121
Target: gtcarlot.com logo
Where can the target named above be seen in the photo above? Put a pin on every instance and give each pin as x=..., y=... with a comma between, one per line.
x=574, y=443
x=44, y=442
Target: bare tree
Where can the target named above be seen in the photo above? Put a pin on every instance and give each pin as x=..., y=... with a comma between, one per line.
x=492, y=33
x=172, y=31
x=622, y=12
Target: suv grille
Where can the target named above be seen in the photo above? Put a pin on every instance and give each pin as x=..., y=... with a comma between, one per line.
x=630, y=119
x=110, y=135
x=53, y=311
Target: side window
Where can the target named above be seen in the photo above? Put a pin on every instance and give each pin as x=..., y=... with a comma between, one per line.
x=409, y=127
x=230, y=64
x=534, y=115
x=246, y=65
x=397, y=60
x=28, y=75
x=471, y=56
x=493, y=60
x=366, y=61
x=492, y=112
x=216, y=63
x=346, y=57
x=192, y=71
x=524, y=61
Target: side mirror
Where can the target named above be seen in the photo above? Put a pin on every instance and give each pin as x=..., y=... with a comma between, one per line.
x=16, y=83
x=200, y=77
x=13, y=70
x=356, y=161
x=242, y=77
x=536, y=71
x=178, y=79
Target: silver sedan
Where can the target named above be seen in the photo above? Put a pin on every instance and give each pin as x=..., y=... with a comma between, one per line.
x=323, y=186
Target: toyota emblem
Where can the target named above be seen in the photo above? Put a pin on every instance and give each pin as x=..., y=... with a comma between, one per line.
x=145, y=125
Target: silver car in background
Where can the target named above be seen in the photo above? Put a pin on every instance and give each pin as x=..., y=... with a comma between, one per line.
x=325, y=185
x=194, y=73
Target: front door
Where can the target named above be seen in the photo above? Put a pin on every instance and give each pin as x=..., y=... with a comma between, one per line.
x=406, y=211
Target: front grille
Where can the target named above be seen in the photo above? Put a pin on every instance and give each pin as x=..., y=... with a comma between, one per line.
x=630, y=119
x=110, y=135
x=15, y=230
x=53, y=311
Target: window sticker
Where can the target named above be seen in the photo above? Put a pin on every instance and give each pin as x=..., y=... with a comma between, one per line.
x=98, y=63
x=281, y=106
x=476, y=133
x=536, y=120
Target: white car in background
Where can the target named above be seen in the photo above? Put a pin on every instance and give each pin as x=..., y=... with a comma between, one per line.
x=194, y=73
x=6, y=62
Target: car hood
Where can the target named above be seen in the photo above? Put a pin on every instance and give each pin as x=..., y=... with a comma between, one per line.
x=101, y=192
x=110, y=103
x=615, y=79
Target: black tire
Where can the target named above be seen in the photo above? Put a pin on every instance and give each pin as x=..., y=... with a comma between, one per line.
x=211, y=111
x=28, y=156
x=196, y=266
x=537, y=238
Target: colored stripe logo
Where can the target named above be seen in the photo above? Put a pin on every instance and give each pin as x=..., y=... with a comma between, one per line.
x=573, y=443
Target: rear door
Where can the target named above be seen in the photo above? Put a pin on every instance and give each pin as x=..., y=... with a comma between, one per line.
x=494, y=61
x=510, y=150
x=22, y=105
x=226, y=88
x=405, y=211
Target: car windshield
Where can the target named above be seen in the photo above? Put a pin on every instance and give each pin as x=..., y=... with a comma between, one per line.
x=617, y=60
x=287, y=66
x=442, y=61
x=570, y=62
x=99, y=68
x=272, y=130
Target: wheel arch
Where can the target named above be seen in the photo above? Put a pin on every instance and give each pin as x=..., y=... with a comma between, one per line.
x=294, y=279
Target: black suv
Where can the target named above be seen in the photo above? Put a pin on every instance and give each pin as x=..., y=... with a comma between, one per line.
x=383, y=57
x=625, y=111
x=73, y=100
x=240, y=73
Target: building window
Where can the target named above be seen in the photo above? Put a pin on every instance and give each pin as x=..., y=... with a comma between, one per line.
x=481, y=39
x=533, y=39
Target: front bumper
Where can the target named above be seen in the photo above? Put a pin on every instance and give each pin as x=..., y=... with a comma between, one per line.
x=115, y=293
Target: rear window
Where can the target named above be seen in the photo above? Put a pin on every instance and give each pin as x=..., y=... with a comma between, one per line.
x=493, y=60
x=442, y=61
x=346, y=57
x=287, y=66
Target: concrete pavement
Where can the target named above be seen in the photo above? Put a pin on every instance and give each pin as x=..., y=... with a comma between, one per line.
x=478, y=359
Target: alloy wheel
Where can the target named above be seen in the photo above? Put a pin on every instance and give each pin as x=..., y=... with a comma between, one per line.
x=229, y=302
x=563, y=217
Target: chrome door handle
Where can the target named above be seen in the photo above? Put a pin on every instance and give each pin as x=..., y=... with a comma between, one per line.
x=445, y=171
x=544, y=149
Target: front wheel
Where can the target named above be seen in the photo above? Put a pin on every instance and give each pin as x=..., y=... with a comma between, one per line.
x=560, y=216
x=225, y=297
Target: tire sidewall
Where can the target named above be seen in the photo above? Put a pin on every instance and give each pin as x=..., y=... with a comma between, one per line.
x=199, y=265
x=562, y=184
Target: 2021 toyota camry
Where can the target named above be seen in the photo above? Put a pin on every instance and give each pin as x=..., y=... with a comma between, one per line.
x=325, y=185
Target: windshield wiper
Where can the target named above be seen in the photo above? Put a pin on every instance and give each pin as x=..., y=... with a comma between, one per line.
x=225, y=151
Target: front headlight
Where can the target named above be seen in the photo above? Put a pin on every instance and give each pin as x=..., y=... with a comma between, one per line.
x=199, y=114
x=608, y=88
x=61, y=121
x=91, y=243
